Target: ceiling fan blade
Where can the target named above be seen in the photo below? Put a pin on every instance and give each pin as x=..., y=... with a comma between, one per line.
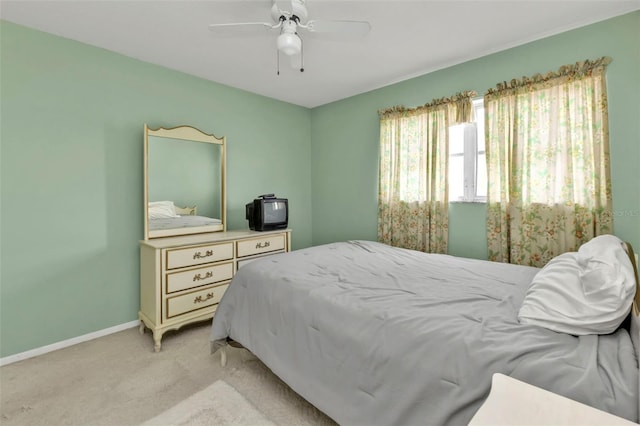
x=242, y=27
x=342, y=27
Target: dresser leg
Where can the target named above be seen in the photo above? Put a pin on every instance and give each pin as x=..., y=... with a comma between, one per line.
x=141, y=327
x=223, y=356
x=157, y=337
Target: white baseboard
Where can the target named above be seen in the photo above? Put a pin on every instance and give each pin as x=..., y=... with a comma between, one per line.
x=66, y=343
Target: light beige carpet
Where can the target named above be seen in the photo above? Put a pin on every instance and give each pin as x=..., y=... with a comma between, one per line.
x=118, y=380
x=219, y=404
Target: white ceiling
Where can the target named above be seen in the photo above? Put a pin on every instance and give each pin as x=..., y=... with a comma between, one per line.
x=408, y=38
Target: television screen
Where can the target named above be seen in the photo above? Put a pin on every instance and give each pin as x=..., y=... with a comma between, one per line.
x=275, y=212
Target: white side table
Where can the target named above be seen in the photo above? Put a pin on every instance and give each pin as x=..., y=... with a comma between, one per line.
x=512, y=402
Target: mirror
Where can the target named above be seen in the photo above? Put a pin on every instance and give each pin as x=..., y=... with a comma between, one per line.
x=184, y=182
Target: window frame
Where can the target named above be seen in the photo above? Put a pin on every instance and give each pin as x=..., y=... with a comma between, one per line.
x=470, y=168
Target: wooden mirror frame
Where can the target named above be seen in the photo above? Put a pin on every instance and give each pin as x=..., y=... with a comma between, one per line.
x=186, y=133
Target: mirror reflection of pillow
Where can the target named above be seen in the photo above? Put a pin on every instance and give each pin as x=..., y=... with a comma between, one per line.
x=584, y=292
x=162, y=210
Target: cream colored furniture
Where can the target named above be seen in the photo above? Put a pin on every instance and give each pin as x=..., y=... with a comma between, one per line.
x=186, y=166
x=183, y=278
x=515, y=403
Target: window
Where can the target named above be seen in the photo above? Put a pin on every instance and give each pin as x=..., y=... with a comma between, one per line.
x=467, y=162
x=549, y=166
x=413, y=210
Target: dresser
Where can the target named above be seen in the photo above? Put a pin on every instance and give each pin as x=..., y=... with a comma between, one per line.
x=182, y=279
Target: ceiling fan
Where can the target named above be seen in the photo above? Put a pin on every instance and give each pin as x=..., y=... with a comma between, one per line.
x=290, y=17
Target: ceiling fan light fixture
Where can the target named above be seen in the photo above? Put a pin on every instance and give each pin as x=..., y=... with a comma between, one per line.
x=289, y=43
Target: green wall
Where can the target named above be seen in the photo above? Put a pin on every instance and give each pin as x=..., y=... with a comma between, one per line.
x=71, y=124
x=345, y=134
x=71, y=176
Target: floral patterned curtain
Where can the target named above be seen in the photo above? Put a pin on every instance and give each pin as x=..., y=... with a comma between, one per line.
x=414, y=154
x=547, y=146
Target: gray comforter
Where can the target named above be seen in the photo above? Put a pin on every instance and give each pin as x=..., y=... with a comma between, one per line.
x=375, y=335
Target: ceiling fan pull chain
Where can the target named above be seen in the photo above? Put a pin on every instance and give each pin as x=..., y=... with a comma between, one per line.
x=301, y=54
x=278, y=61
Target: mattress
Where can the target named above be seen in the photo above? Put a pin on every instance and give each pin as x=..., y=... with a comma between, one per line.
x=376, y=335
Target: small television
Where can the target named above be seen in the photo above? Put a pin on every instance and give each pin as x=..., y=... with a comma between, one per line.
x=267, y=212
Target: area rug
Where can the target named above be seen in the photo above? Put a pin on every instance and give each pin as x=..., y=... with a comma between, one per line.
x=219, y=404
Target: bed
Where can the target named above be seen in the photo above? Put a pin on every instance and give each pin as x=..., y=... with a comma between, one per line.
x=376, y=335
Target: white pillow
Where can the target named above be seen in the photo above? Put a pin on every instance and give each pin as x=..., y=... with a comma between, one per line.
x=162, y=209
x=584, y=292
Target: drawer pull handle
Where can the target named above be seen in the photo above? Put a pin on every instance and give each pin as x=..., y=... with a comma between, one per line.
x=199, y=255
x=198, y=277
x=200, y=299
x=263, y=245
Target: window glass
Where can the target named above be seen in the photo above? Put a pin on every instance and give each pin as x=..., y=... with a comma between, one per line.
x=467, y=161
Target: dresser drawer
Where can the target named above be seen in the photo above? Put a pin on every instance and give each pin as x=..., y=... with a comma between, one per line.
x=247, y=260
x=195, y=300
x=177, y=281
x=265, y=244
x=180, y=258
